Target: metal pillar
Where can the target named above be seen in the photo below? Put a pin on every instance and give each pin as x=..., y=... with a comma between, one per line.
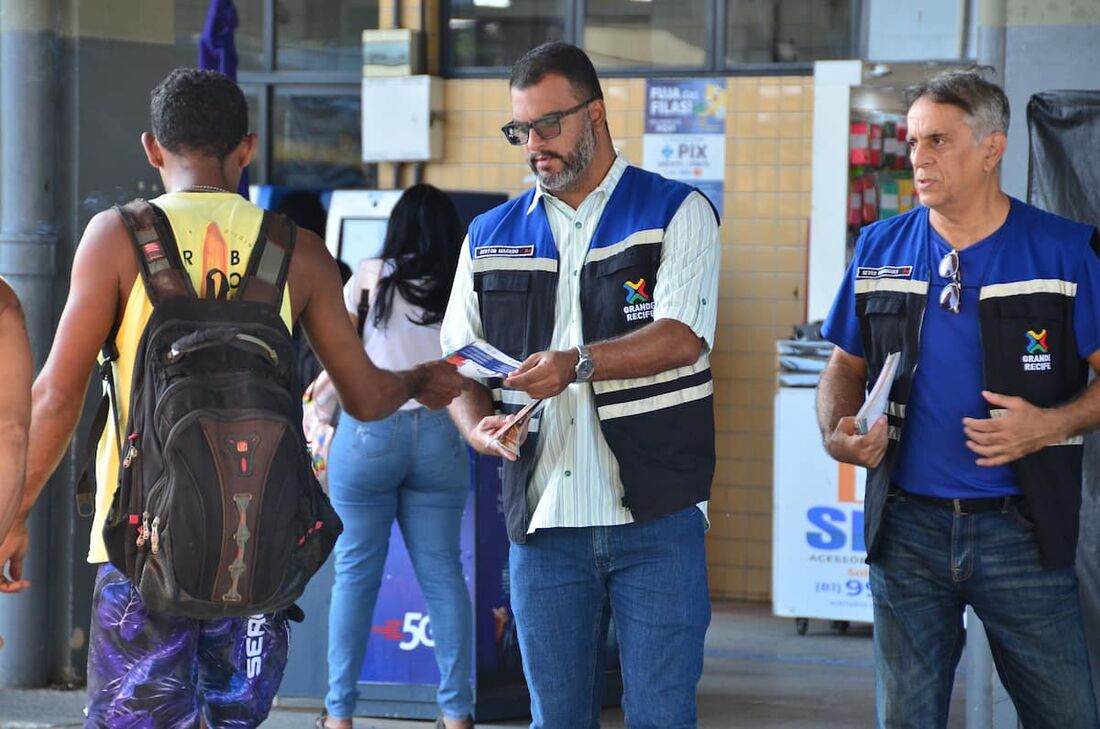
x=29, y=49
x=992, y=15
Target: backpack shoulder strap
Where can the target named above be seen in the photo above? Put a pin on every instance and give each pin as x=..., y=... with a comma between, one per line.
x=158, y=256
x=265, y=277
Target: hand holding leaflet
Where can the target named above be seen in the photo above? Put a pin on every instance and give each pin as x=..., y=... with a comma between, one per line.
x=511, y=435
x=481, y=359
x=875, y=403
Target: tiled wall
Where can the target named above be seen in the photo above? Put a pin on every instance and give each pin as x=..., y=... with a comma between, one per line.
x=762, y=289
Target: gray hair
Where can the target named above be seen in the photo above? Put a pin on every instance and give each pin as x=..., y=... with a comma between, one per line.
x=983, y=102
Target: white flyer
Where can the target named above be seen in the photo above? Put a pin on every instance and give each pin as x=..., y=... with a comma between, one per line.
x=875, y=403
x=481, y=359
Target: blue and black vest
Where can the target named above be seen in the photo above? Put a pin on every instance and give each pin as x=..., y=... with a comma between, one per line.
x=1026, y=305
x=661, y=429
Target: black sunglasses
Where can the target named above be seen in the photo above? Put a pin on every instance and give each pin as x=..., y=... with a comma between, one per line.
x=548, y=126
x=951, y=295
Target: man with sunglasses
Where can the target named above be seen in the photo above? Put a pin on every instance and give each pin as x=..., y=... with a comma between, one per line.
x=603, y=281
x=974, y=472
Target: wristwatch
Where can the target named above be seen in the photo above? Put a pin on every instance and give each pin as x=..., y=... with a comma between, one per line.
x=585, y=364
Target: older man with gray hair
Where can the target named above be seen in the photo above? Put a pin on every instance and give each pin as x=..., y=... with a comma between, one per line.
x=974, y=471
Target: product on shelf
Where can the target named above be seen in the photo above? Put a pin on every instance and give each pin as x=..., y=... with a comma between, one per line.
x=889, y=143
x=906, y=194
x=859, y=143
x=855, y=201
x=880, y=179
x=888, y=196
x=875, y=151
x=870, y=198
x=902, y=160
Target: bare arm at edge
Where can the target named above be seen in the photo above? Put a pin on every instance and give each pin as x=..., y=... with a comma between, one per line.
x=16, y=371
x=103, y=261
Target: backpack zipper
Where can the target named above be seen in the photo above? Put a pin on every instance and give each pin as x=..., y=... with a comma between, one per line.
x=175, y=353
x=231, y=379
x=267, y=348
x=132, y=451
x=143, y=530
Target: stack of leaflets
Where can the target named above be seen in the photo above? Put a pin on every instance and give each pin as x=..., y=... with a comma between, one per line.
x=481, y=359
x=876, y=401
x=510, y=435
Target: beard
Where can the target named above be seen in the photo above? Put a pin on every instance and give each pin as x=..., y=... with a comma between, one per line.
x=573, y=164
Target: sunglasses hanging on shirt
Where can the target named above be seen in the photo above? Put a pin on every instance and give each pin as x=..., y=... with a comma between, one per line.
x=951, y=269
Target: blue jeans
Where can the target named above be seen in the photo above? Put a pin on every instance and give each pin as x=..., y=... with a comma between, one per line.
x=651, y=578
x=412, y=466
x=933, y=563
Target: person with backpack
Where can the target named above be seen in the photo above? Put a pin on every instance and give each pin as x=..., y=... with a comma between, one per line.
x=16, y=370
x=195, y=296
x=412, y=466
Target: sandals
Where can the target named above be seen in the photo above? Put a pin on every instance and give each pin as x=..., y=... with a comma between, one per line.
x=319, y=722
x=440, y=724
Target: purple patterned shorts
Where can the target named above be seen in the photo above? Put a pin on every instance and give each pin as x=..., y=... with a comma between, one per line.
x=155, y=671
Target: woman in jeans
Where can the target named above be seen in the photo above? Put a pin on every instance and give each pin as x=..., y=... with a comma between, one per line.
x=412, y=466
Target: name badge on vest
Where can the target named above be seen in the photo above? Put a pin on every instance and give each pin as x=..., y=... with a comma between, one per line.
x=504, y=251
x=639, y=302
x=864, y=272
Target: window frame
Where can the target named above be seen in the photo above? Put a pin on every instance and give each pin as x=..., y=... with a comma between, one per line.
x=265, y=82
x=316, y=88
x=714, y=47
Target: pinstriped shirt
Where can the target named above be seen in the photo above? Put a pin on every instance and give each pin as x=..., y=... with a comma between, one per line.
x=575, y=481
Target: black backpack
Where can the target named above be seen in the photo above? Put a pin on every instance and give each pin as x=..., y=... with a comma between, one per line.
x=218, y=512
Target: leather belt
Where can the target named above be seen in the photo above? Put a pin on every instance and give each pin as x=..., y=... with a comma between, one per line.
x=962, y=506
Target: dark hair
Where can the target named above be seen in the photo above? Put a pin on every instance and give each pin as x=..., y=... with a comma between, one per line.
x=423, y=240
x=563, y=59
x=984, y=102
x=305, y=209
x=199, y=112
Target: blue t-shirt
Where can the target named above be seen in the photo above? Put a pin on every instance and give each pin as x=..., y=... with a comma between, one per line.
x=933, y=458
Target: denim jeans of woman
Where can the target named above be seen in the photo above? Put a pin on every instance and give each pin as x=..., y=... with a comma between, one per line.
x=933, y=563
x=413, y=467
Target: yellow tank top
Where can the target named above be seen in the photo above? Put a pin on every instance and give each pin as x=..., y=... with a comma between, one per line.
x=213, y=230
